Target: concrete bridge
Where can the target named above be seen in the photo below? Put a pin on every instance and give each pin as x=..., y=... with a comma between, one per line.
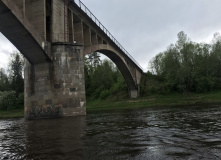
x=54, y=36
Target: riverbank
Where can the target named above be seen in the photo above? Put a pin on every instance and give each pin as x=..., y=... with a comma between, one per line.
x=172, y=99
x=12, y=113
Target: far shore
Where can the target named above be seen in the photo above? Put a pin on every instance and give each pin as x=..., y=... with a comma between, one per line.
x=152, y=101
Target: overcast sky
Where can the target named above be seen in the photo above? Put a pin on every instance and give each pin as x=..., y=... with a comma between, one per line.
x=147, y=27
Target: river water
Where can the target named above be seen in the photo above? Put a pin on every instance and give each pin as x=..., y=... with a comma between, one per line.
x=155, y=133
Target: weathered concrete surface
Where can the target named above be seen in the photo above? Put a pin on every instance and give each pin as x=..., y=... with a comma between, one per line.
x=22, y=33
x=47, y=32
x=35, y=11
x=56, y=89
x=57, y=21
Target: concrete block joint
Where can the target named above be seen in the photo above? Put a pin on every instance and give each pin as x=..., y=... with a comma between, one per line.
x=62, y=98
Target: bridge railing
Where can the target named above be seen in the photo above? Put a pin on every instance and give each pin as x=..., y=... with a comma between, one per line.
x=101, y=26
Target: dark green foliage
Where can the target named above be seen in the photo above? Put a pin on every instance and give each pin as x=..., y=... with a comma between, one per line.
x=12, y=84
x=20, y=100
x=102, y=78
x=4, y=81
x=152, y=84
x=188, y=66
x=16, y=70
x=8, y=100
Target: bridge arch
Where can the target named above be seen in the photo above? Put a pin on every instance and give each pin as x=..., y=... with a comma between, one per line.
x=130, y=74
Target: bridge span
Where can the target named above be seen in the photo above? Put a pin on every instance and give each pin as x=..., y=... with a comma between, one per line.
x=54, y=36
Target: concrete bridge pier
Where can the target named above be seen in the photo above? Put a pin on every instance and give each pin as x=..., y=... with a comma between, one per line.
x=134, y=93
x=54, y=72
x=56, y=89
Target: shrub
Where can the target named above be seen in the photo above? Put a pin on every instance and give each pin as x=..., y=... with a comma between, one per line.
x=7, y=100
x=20, y=100
x=104, y=94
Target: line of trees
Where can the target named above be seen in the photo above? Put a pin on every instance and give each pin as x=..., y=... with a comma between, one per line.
x=102, y=78
x=12, y=84
x=187, y=66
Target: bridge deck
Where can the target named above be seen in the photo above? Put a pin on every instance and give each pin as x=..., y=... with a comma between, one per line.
x=20, y=32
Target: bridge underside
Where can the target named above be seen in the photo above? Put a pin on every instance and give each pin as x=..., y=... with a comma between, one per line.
x=21, y=33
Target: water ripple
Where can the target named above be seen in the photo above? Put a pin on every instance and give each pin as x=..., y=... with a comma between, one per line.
x=166, y=133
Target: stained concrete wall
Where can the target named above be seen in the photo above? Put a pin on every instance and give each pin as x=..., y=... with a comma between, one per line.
x=20, y=4
x=56, y=89
x=78, y=32
x=21, y=32
x=57, y=21
x=35, y=11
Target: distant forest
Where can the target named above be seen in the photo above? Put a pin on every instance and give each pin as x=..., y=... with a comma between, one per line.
x=12, y=84
x=185, y=66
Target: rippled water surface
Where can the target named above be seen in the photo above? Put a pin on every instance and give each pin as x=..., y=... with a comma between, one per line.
x=162, y=133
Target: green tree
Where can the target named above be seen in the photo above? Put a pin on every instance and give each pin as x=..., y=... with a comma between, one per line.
x=102, y=78
x=4, y=81
x=16, y=70
x=189, y=66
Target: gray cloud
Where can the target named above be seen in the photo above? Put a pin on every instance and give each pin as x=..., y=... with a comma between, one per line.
x=6, y=48
x=147, y=27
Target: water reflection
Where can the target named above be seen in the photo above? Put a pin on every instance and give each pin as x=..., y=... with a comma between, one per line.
x=174, y=133
x=43, y=139
x=171, y=133
x=55, y=138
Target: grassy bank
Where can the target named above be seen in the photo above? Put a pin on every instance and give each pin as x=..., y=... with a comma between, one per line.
x=12, y=113
x=172, y=99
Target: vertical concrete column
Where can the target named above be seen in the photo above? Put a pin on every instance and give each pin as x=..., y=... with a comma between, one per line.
x=71, y=26
x=100, y=40
x=58, y=17
x=56, y=89
x=87, y=39
x=39, y=95
x=69, y=82
x=35, y=11
x=78, y=32
x=133, y=93
x=94, y=40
